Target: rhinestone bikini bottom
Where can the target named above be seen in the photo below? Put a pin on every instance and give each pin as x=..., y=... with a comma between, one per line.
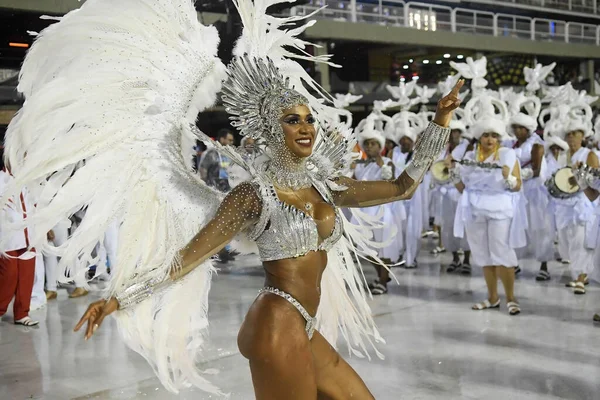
x=311, y=322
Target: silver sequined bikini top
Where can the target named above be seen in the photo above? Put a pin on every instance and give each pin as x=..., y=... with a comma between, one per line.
x=284, y=231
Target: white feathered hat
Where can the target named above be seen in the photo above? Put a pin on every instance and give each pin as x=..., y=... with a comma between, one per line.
x=486, y=112
x=569, y=111
x=458, y=125
x=521, y=119
x=408, y=124
x=367, y=130
x=550, y=141
x=489, y=124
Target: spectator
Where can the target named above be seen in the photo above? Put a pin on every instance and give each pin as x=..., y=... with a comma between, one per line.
x=17, y=268
x=213, y=166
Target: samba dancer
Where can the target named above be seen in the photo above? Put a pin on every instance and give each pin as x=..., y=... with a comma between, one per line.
x=289, y=208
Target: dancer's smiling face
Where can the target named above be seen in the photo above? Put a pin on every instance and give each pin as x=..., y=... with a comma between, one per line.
x=298, y=125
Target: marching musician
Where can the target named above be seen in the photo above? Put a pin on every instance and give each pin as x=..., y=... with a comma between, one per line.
x=415, y=208
x=529, y=148
x=376, y=168
x=447, y=197
x=490, y=211
x=574, y=213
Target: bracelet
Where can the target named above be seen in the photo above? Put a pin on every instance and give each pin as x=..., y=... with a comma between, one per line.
x=139, y=291
x=428, y=147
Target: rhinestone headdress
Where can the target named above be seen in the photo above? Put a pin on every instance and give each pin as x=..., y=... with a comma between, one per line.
x=255, y=95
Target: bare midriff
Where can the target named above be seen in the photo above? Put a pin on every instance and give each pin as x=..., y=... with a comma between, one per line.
x=300, y=277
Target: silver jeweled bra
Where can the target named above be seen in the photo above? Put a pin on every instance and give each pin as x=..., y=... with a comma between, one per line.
x=283, y=231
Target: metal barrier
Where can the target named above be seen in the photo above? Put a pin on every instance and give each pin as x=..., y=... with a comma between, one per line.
x=512, y=26
x=581, y=33
x=470, y=21
x=582, y=7
x=431, y=17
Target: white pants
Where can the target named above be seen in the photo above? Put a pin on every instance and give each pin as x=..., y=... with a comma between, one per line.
x=38, y=296
x=412, y=228
x=572, y=238
x=61, y=234
x=489, y=242
x=448, y=213
x=108, y=248
x=540, y=240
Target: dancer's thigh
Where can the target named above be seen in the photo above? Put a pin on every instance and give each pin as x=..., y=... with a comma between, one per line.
x=273, y=339
x=336, y=380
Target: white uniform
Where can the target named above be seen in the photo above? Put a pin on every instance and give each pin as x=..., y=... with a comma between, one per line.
x=415, y=210
x=573, y=216
x=539, y=233
x=393, y=214
x=107, y=251
x=491, y=215
x=447, y=197
x=61, y=233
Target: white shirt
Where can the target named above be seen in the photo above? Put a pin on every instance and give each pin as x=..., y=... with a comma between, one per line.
x=14, y=212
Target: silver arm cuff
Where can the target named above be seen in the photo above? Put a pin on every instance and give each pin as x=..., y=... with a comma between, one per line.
x=140, y=291
x=427, y=149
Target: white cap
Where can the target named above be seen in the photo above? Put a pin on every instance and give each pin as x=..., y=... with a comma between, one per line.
x=524, y=120
x=489, y=124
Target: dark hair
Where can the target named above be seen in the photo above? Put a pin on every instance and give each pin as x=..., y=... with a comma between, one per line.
x=222, y=133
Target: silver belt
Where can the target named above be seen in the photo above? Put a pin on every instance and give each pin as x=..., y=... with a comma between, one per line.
x=311, y=322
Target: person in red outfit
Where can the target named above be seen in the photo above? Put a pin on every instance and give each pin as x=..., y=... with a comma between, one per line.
x=17, y=266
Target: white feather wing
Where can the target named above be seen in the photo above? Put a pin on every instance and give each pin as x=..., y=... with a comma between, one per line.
x=116, y=84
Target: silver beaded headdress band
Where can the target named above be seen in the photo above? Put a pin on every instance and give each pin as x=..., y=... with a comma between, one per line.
x=255, y=95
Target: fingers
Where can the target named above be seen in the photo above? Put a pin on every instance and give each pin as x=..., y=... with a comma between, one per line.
x=91, y=328
x=457, y=87
x=85, y=317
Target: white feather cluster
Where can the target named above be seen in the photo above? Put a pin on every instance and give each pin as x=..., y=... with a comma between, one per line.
x=113, y=83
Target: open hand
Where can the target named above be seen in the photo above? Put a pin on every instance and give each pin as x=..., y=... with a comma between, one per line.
x=447, y=104
x=95, y=314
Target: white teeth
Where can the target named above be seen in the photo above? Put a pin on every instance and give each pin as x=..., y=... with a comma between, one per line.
x=303, y=141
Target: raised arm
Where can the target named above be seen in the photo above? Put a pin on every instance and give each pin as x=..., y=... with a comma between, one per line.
x=427, y=149
x=240, y=208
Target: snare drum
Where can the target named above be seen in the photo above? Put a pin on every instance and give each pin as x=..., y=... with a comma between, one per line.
x=559, y=186
x=440, y=172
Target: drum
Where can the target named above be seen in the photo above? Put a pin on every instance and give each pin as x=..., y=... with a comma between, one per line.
x=559, y=186
x=440, y=172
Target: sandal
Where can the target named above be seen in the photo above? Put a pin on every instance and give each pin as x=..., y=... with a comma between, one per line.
x=465, y=269
x=485, y=305
x=378, y=289
x=513, y=308
x=579, y=288
x=542, y=276
x=454, y=266
x=565, y=262
x=573, y=284
x=438, y=250
x=27, y=321
x=372, y=285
